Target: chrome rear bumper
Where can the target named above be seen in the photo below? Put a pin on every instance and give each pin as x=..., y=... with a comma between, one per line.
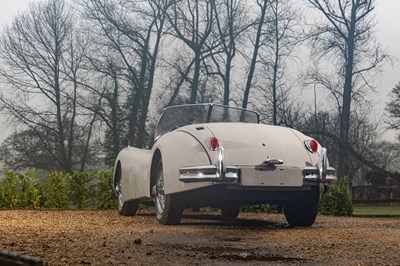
x=312, y=174
x=322, y=172
x=203, y=173
x=219, y=172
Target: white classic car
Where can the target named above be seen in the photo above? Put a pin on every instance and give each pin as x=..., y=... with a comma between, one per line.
x=220, y=156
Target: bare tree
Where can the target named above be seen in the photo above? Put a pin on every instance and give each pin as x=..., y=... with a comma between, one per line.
x=363, y=140
x=178, y=77
x=263, y=6
x=134, y=31
x=393, y=108
x=231, y=22
x=345, y=36
x=105, y=87
x=387, y=155
x=39, y=95
x=279, y=39
x=192, y=23
x=74, y=70
x=110, y=111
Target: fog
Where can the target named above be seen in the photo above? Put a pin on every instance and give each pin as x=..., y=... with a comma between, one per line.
x=387, y=33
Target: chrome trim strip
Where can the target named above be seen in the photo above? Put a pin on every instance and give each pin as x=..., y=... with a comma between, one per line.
x=323, y=165
x=312, y=173
x=203, y=173
x=322, y=172
x=221, y=170
x=218, y=172
x=272, y=161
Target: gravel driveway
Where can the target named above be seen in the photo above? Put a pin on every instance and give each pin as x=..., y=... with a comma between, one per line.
x=82, y=237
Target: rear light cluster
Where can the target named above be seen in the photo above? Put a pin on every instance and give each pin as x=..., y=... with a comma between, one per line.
x=311, y=145
x=213, y=143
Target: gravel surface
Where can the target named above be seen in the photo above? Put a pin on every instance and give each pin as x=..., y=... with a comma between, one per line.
x=82, y=237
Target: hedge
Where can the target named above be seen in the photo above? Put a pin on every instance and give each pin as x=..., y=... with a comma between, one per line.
x=56, y=190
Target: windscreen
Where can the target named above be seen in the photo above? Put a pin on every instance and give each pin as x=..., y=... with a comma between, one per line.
x=182, y=115
x=230, y=114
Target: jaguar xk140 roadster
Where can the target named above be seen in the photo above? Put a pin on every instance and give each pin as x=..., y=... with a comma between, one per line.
x=220, y=156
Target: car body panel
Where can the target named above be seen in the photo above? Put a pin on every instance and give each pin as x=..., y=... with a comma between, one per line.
x=179, y=149
x=250, y=157
x=257, y=141
x=135, y=166
x=248, y=145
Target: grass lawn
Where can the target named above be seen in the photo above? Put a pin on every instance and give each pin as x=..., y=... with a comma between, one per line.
x=377, y=209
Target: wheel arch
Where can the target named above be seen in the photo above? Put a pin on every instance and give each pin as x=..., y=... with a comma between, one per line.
x=176, y=149
x=117, y=173
x=154, y=162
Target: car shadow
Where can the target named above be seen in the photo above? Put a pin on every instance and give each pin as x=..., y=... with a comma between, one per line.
x=214, y=219
x=218, y=220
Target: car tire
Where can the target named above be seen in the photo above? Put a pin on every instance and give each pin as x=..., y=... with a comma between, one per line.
x=230, y=210
x=169, y=207
x=125, y=208
x=303, y=210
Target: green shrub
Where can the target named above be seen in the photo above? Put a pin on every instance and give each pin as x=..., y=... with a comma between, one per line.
x=82, y=189
x=103, y=187
x=55, y=190
x=9, y=197
x=30, y=192
x=20, y=191
x=338, y=200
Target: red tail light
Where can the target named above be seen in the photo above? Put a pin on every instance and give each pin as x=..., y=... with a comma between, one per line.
x=214, y=143
x=314, y=145
x=311, y=145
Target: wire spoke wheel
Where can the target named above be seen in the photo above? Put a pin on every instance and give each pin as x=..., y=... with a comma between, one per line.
x=118, y=192
x=160, y=196
x=169, y=207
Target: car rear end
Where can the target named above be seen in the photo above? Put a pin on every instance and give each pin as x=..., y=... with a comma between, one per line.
x=256, y=155
x=257, y=164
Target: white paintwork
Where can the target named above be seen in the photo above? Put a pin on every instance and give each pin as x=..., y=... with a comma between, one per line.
x=250, y=144
x=135, y=166
x=179, y=149
x=245, y=145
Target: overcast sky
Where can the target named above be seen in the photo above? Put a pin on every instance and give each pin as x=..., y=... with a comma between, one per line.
x=388, y=33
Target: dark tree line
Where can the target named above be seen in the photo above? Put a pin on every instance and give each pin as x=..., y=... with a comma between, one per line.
x=78, y=80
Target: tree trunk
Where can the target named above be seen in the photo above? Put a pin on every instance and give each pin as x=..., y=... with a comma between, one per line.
x=347, y=93
x=255, y=55
x=133, y=114
x=275, y=69
x=150, y=82
x=227, y=80
x=196, y=77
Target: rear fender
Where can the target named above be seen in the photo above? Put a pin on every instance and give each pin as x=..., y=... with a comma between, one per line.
x=180, y=149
